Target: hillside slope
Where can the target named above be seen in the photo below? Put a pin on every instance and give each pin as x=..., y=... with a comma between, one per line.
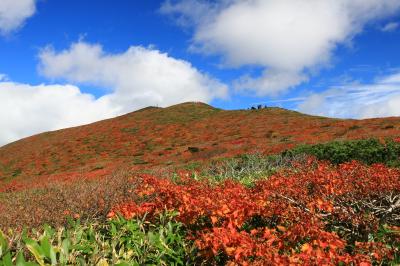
x=179, y=134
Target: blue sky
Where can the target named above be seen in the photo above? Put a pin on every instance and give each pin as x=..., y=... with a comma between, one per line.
x=65, y=63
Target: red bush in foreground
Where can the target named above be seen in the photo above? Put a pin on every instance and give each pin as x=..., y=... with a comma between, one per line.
x=321, y=214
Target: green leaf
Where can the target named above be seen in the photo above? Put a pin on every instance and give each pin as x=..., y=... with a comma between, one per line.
x=21, y=261
x=36, y=250
x=3, y=244
x=53, y=256
x=64, y=254
x=7, y=260
x=48, y=231
x=48, y=249
x=46, y=246
x=122, y=264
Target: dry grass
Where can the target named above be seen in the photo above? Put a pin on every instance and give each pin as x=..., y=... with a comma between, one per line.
x=86, y=199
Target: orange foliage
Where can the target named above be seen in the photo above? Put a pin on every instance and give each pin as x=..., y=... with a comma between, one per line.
x=286, y=219
x=155, y=137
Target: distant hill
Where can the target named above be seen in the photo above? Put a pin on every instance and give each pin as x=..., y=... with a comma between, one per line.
x=180, y=134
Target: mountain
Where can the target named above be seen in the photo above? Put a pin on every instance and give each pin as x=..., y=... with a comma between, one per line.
x=180, y=134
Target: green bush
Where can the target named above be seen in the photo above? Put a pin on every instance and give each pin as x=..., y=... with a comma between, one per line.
x=248, y=168
x=116, y=242
x=367, y=151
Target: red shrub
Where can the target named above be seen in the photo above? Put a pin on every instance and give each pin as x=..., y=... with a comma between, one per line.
x=293, y=217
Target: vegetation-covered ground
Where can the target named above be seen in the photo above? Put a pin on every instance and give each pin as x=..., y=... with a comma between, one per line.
x=331, y=204
x=174, y=136
x=191, y=184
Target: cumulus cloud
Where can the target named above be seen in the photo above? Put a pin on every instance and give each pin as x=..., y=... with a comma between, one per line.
x=27, y=110
x=391, y=26
x=13, y=14
x=288, y=38
x=378, y=99
x=137, y=78
x=272, y=82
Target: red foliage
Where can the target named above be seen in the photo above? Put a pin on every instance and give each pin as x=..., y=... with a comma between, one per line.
x=283, y=220
x=156, y=137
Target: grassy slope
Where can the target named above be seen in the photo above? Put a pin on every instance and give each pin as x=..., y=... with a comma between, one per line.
x=154, y=137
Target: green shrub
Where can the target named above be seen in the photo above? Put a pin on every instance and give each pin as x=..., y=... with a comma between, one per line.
x=248, y=168
x=367, y=151
x=193, y=149
x=116, y=242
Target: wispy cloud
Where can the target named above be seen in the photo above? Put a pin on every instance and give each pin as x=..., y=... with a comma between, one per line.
x=391, y=26
x=380, y=98
x=3, y=77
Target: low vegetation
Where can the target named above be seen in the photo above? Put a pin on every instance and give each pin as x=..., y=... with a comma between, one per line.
x=115, y=242
x=52, y=203
x=248, y=168
x=153, y=137
x=329, y=204
x=368, y=151
x=317, y=214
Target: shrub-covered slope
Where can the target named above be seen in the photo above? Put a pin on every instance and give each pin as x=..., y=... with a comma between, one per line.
x=287, y=209
x=248, y=192
x=159, y=137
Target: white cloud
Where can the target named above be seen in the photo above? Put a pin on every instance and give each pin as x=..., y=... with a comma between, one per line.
x=3, y=77
x=13, y=14
x=27, y=110
x=288, y=38
x=378, y=99
x=190, y=12
x=391, y=26
x=137, y=78
x=390, y=79
x=272, y=82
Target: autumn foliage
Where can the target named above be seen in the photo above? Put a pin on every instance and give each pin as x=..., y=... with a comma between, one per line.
x=161, y=137
x=309, y=216
x=265, y=208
